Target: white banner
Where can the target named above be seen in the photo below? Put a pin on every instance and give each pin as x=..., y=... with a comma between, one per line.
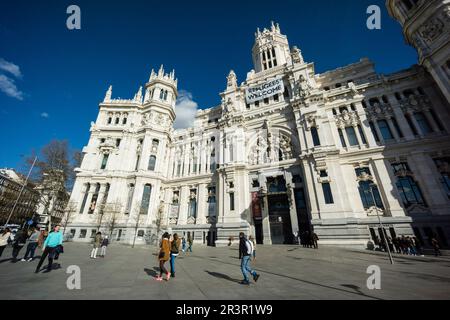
x=265, y=90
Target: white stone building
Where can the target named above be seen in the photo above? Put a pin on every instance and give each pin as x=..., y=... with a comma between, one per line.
x=287, y=150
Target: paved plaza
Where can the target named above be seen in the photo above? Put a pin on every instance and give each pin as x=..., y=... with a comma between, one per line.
x=287, y=272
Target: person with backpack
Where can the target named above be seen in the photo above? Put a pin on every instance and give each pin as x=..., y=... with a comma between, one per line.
x=174, y=251
x=53, y=241
x=245, y=253
x=105, y=243
x=4, y=237
x=32, y=245
x=19, y=242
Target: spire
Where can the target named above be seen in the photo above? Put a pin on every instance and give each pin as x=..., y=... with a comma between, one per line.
x=138, y=96
x=272, y=26
x=152, y=75
x=161, y=71
x=108, y=95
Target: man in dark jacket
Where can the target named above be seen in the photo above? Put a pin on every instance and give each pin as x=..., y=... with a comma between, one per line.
x=245, y=253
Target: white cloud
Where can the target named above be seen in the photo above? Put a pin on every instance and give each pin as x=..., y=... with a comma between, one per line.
x=11, y=68
x=8, y=86
x=44, y=115
x=185, y=109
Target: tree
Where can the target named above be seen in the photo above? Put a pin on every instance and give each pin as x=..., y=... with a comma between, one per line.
x=69, y=213
x=111, y=217
x=140, y=215
x=55, y=156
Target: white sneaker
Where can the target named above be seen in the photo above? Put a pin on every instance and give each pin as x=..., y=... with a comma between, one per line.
x=23, y=260
x=31, y=259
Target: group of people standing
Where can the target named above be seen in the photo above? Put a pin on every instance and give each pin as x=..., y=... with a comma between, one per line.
x=99, y=242
x=407, y=245
x=307, y=239
x=169, y=249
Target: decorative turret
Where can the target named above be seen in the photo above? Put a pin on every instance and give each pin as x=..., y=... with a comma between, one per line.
x=271, y=49
x=161, y=87
x=108, y=95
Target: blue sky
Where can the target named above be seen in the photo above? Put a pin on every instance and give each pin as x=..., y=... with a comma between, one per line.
x=60, y=76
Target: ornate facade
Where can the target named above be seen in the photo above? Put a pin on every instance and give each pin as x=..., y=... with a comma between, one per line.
x=327, y=152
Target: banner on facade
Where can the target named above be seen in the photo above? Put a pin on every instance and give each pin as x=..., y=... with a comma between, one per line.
x=174, y=209
x=265, y=90
x=256, y=206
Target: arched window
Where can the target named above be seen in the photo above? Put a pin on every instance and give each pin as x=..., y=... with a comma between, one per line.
x=104, y=161
x=161, y=94
x=165, y=95
x=117, y=120
x=145, y=203
x=109, y=120
x=124, y=121
x=152, y=163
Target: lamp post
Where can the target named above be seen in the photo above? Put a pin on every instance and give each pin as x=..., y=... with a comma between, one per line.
x=371, y=186
x=21, y=191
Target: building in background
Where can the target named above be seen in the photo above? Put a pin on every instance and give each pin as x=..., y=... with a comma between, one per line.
x=287, y=149
x=11, y=185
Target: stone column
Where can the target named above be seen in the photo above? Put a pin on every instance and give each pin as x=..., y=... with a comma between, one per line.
x=415, y=124
x=377, y=129
x=292, y=206
x=89, y=198
x=184, y=205
x=431, y=121
x=101, y=194
x=401, y=120
x=393, y=129
x=344, y=134
x=202, y=208
x=358, y=136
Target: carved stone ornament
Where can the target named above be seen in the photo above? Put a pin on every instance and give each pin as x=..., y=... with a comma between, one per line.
x=191, y=220
x=173, y=220
x=380, y=111
x=432, y=29
x=347, y=119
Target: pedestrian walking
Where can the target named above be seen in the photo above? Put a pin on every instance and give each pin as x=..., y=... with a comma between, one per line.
x=4, y=237
x=51, y=244
x=174, y=251
x=436, y=246
x=42, y=237
x=183, y=243
x=163, y=257
x=314, y=239
x=396, y=243
x=32, y=245
x=245, y=253
x=105, y=243
x=97, y=243
x=418, y=246
x=254, y=247
x=190, y=242
x=19, y=242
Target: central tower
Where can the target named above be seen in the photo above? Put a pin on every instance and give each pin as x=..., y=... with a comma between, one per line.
x=271, y=49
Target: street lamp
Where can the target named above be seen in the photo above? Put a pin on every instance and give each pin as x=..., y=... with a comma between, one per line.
x=371, y=186
x=21, y=191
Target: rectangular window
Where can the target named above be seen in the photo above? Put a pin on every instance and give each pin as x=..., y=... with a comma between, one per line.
x=145, y=203
x=117, y=120
x=351, y=135
x=385, y=130
x=374, y=131
x=104, y=161
x=315, y=136
x=232, y=201
x=118, y=142
x=423, y=123
x=437, y=120
x=83, y=233
x=152, y=163
x=327, y=193
x=341, y=136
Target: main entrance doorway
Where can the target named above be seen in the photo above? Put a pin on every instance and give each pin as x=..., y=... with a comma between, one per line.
x=280, y=219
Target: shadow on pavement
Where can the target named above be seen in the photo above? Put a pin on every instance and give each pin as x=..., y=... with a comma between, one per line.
x=151, y=272
x=221, y=276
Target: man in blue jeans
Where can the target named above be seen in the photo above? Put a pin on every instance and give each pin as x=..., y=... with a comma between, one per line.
x=245, y=253
x=54, y=239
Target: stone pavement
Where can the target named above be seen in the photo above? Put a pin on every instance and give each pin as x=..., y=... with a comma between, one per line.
x=287, y=272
